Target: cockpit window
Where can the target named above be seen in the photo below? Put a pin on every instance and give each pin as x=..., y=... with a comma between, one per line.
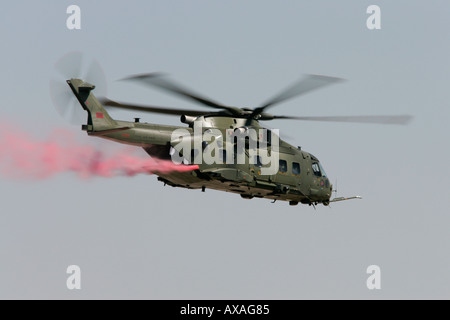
x=323, y=171
x=316, y=169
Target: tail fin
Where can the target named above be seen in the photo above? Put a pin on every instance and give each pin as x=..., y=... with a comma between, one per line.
x=98, y=118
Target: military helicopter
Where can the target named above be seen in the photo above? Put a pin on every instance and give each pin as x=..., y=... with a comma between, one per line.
x=298, y=176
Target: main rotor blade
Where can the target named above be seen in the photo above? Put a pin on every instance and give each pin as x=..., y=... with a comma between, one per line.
x=395, y=119
x=153, y=109
x=309, y=83
x=160, y=81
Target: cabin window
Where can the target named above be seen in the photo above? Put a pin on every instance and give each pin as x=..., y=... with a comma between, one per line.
x=296, y=168
x=316, y=169
x=283, y=166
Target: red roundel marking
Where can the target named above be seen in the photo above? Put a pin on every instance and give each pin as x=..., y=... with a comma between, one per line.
x=99, y=115
x=125, y=135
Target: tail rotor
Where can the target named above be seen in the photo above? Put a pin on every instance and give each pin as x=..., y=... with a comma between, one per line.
x=73, y=65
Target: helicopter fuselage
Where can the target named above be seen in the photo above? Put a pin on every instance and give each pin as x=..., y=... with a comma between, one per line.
x=299, y=177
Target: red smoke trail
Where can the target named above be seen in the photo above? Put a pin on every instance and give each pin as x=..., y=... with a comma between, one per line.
x=22, y=156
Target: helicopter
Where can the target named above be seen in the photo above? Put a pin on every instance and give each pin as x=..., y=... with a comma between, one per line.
x=248, y=158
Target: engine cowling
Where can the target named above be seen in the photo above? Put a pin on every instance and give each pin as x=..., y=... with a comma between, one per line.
x=241, y=130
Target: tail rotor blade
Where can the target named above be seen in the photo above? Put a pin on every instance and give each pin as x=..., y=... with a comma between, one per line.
x=70, y=65
x=61, y=96
x=76, y=115
x=96, y=76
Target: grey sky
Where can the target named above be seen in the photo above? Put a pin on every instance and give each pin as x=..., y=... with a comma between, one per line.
x=134, y=238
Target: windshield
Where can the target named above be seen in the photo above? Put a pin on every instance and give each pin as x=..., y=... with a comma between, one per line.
x=318, y=169
x=323, y=171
